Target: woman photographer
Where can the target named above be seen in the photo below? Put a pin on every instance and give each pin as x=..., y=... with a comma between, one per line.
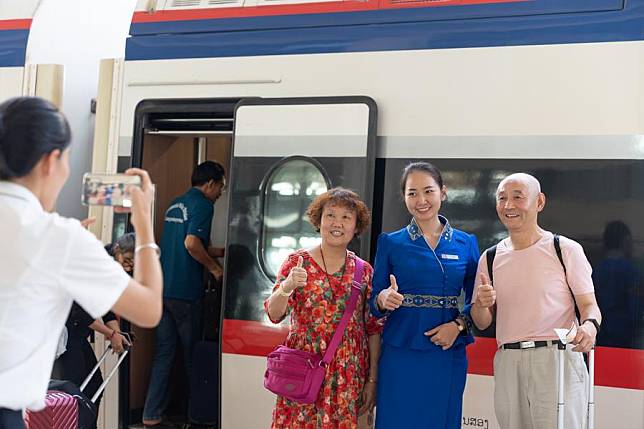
x=47, y=261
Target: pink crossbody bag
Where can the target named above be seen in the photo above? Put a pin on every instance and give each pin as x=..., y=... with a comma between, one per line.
x=298, y=375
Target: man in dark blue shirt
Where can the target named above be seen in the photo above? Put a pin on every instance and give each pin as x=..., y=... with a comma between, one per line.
x=185, y=252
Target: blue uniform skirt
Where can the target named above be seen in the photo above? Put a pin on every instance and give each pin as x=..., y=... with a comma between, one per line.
x=420, y=389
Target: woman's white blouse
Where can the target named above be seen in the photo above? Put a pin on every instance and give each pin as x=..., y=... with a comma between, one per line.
x=46, y=262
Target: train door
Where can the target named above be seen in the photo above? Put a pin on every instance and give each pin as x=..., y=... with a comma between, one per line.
x=285, y=153
x=171, y=137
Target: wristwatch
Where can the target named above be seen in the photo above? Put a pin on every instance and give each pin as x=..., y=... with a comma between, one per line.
x=460, y=327
x=467, y=322
x=594, y=322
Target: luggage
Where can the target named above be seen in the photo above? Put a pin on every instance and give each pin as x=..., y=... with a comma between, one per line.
x=204, y=384
x=66, y=407
x=561, y=389
x=211, y=310
x=204, y=380
x=61, y=412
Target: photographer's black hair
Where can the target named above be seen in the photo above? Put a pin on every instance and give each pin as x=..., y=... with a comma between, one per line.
x=30, y=127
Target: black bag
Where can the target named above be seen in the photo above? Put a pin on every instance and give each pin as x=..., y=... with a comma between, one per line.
x=211, y=310
x=204, y=383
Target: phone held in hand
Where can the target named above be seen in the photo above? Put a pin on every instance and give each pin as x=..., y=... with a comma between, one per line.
x=108, y=189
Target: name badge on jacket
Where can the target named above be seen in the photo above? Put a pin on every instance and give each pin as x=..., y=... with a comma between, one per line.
x=446, y=256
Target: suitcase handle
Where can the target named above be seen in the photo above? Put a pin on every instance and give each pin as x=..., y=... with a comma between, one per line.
x=590, y=417
x=112, y=371
x=591, y=389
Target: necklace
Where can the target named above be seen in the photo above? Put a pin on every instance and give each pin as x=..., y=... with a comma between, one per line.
x=326, y=271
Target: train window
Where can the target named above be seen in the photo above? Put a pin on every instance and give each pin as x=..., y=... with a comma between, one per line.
x=284, y=2
x=289, y=189
x=199, y=4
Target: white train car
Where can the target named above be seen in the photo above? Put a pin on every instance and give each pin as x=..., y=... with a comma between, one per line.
x=17, y=76
x=295, y=96
x=15, y=22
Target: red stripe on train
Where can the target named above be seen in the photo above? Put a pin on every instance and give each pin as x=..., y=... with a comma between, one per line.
x=614, y=367
x=295, y=9
x=15, y=24
x=247, y=12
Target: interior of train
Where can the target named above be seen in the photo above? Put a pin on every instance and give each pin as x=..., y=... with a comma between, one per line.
x=171, y=145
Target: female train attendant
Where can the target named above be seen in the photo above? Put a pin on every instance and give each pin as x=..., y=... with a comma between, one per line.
x=47, y=261
x=419, y=274
x=314, y=285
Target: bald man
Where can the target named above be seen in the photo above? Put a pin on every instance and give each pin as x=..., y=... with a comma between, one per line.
x=531, y=296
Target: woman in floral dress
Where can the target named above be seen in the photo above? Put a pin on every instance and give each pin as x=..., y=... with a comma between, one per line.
x=314, y=286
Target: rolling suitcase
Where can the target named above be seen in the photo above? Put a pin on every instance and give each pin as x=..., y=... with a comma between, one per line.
x=61, y=412
x=66, y=407
x=561, y=402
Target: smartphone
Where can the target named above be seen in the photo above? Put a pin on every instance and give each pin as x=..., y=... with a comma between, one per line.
x=108, y=189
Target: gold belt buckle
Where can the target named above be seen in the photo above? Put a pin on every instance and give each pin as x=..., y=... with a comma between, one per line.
x=526, y=344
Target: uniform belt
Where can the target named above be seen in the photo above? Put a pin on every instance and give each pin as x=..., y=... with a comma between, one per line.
x=520, y=345
x=429, y=301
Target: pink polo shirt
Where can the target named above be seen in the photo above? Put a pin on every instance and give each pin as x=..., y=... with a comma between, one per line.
x=532, y=297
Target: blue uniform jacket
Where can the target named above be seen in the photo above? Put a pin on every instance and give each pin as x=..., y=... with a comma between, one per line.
x=444, y=272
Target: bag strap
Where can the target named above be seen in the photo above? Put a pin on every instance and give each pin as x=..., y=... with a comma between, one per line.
x=356, y=289
x=489, y=255
x=560, y=256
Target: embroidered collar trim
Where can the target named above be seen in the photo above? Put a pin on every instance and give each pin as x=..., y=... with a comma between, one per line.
x=415, y=232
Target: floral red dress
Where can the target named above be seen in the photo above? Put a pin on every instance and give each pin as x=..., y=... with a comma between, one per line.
x=316, y=310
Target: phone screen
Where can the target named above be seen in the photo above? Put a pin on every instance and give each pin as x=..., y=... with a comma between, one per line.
x=108, y=189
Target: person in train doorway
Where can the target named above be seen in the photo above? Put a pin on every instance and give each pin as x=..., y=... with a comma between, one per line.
x=185, y=252
x=531, y=294
x=420, y=272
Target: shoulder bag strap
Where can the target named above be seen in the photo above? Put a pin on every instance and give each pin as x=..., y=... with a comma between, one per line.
x=558, y=250
x=489, y=255
x=348, y=312
x=560, y=256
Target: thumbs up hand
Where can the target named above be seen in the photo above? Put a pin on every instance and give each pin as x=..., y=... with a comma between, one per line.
x=389, y=299
x=296, y=278
x=485, y=293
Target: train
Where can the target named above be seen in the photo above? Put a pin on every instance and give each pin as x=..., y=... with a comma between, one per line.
x=294, y=97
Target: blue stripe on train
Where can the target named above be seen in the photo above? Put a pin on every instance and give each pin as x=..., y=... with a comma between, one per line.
x=606, y=26
x=315, y=18
x=13, y=47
